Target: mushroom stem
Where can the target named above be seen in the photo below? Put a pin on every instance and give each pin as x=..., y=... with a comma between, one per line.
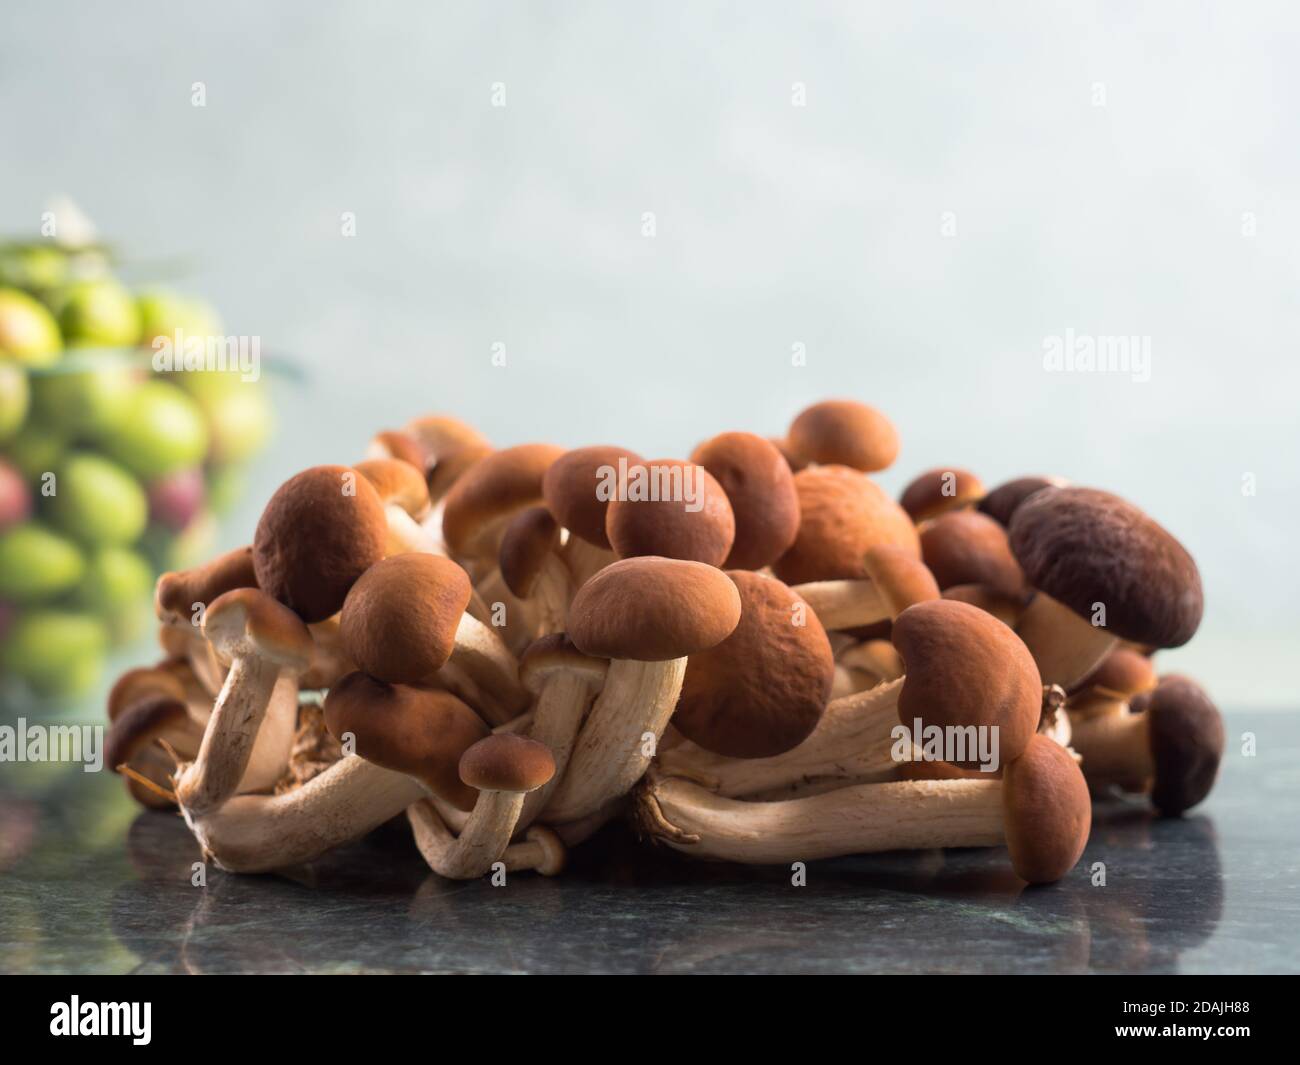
x=258, y=833
x=844, y=604
x=904, y=815
x=1116, y=749
x=407, y=534
x=853, y=741
x=240, y=722
x=517, y=633
x=610, y=755
x=557, y=716
x=1066, y=646
x=464, y=857
x=584, y=560
x=492, y=673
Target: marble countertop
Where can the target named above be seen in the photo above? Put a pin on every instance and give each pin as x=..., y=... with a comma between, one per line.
x=88, y=883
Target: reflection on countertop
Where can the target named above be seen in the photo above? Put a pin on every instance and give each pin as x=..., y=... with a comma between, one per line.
x=88, y=884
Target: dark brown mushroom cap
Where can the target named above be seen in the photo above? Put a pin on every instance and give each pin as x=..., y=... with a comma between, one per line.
x=762, y=690
x=931, y=493
x=137, y=685
x=321, y=530
x=574, y=488
x=760, y=487
x=1047, y=811
x=844, y=432
x=699, y=529
x=1001, y=503
x=1123, y=672
x=1082, y=546
x=843, y=513
x=417, y=731
x=399, y=621
x=531, y=536
x=555, y=653
x=176, y=594
x=967, y=547
x=900, y=577
x=496, y=487
x=248, y=621
x=397, y=482
x=653, y=610
x=394, y=444
x=1187, y=741
x=964, y=667
x=795, y=462
x=507, y=762
x=139, y=725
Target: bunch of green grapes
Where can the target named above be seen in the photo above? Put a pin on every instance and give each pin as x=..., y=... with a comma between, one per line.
x=110, y=471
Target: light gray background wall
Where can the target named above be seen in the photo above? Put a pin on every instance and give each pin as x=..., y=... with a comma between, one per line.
x=821, y=225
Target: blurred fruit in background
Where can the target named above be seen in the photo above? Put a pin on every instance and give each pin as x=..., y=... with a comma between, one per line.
x=111, y=470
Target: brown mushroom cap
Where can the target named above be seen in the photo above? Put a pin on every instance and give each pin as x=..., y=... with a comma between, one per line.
x=570, y=488
x=844, y=432
x=967, y=547
x=496, y=487
x=399, y=621
x=1047, y=811
x=555, y=653
x=440, y=435
x=530, y=537
x=901, y=578
x=795, y=462
x=508, y=762
x=1001, y=503
x=248, y=620
x=321, y=530
x=843, y=513
x=964, y=667
x=653, y=610
x=417, y=731
x=931, y=493
x=1187, y=741
x=762, y=690
x=669, y=527
x=393, y=444
x=131, y=740
x=1123, y=672
x=176, y=594
x=451, y=468
x=137, y=685
x=760, y=487
x=1006, y=608
x=1083, y=546
x=398, y=482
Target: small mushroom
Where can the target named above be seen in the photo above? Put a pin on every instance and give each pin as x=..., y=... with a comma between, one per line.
x=762, y=690
x=967, y=547
x=404, y=622
x=181, y=597
x=758, y=483
x=320, y=531
x=683, y=513
x=563, y=682
x=1001, y=503
x=249, y=735
x=532, y=569
x=842, y=514
x=395, y=444
x=407, y=743
x=405, y=495
x=896, y=579
x=1169, y=746
x=1040, y=809
x=1108, y=689
x=134, y=744
x=503, y=768
x=1086, y=552
x=939, y=491
x=843, y=432
x=646, y=615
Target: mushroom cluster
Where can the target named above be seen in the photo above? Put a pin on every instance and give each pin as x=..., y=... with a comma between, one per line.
x=754, y=654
